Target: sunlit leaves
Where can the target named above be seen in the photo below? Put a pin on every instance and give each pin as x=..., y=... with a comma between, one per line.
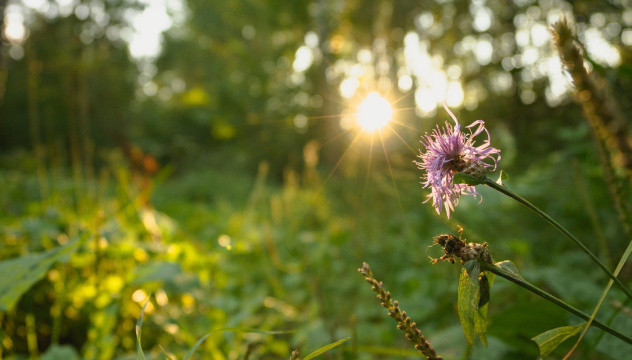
x=19, y=274
x=473, y=299
x=467, y=304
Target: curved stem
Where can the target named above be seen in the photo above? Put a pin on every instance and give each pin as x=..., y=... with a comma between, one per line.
x=526, y=203
x=536, y=290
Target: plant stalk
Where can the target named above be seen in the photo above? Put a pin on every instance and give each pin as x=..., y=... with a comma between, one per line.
x=543, y=294
x=526, y=203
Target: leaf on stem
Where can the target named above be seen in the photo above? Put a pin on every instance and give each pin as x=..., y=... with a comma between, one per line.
x=551, y=339
x=480, y=317
x=467, y=304
x=487, y=279
x=473, y=300
x=509, y=267
x=503, y=176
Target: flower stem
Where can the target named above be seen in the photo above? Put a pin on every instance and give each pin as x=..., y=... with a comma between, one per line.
x=536, y=290
x=526, y=203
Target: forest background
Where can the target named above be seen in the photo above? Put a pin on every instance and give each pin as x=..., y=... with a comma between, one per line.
x=206, y=155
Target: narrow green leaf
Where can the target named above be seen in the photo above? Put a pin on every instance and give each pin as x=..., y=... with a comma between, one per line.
x=247, y=330
x=467, y=304
x=197, y=344
x=325, y=348
x=19, y=274
x=164, y=353
x=232, y=329
x=549, y=340
x=139, y=324
x=461, y=178
x=509, y=267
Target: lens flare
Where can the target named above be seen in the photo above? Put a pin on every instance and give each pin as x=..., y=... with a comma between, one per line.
x=374, y=112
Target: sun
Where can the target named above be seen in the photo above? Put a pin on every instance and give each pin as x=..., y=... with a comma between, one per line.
x=374, y=112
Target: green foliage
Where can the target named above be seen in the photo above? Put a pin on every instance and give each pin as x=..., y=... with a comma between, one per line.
x=212, y=263
x=139, y=328
x=140, y=354
x=60, y=352
x=213, y=284
x=509, y=267
x=325, y=349
x=551, y=339
x=18, y=275
x=197, y=344
x=468, y=302
x=203, y=195
x=473, y=300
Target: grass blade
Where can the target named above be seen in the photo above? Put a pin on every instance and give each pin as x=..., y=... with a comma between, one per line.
x=325, y=348
x=139, y=349
x=197, y=344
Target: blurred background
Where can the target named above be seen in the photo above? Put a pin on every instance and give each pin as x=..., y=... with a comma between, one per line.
x=236, y=162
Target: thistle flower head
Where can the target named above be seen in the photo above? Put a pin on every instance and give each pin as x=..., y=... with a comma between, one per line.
x=449, y=151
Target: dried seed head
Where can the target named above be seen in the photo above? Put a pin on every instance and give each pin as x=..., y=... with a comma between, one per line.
x=451, y=245
x=455, y=247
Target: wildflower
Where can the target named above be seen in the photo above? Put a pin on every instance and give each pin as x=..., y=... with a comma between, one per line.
x=450, y=151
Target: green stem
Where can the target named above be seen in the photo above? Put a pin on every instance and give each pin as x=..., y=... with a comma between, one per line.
x=526, y=203
x=31, y=335
x=536, y=290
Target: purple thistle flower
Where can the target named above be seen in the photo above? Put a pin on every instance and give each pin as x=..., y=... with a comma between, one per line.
x=449, y=151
